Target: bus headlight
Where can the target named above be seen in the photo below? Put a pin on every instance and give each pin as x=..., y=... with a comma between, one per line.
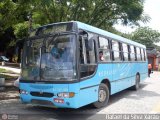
x=66, y=94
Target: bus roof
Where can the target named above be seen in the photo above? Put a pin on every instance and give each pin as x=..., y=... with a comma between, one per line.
x=108, y=34
x=101, y=32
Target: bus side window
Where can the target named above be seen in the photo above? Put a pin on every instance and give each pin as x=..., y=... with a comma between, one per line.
x=129, y=52
x=81, y=50
x=144, y=54
x=125, y=52
x=135, y=52
x=121, y=51
x=138, y=54
x=116, y=51
x=104, y=51
x=132, y=53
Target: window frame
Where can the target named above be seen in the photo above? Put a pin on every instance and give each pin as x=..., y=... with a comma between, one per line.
x=86, y=65
x=135, y=52
x=104, y=49
x=125, y=52
x=138, y=53
x=119, y=51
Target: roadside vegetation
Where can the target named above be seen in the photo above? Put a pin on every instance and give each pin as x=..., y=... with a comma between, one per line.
x=8, y=75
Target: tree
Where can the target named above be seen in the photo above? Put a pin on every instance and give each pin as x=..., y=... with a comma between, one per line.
x=146, y=36
x=100, y=13
x=21, y=29
x=8, y=18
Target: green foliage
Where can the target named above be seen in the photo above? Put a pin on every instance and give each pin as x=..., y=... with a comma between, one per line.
x=146, y=36
x=21, y=30
x=157, y=47
x=100, y=13
x=8, y=15
x=2, y=70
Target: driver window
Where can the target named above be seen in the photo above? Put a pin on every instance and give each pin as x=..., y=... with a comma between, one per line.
x=87, y=57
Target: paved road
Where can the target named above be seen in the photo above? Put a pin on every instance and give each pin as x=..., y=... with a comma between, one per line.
x=145, y=101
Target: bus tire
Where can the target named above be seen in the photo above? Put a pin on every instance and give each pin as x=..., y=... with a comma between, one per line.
x=103, y=96
x=137, y=83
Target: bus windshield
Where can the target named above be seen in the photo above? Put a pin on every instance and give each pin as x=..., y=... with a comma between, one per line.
x=50, y=59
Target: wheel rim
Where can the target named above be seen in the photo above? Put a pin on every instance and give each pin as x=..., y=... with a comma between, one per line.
x=102, y=95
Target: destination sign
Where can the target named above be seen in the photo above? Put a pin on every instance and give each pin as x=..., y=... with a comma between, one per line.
x=52, y=28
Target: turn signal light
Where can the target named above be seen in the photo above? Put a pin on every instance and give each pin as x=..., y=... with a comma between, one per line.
x=66, y=94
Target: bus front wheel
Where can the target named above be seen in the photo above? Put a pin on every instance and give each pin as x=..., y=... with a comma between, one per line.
x=103, y=96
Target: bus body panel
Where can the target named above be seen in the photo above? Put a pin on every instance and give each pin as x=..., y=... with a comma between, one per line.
x=49, y=88
x=124, y=75
x=88, y=95
x=120, y=76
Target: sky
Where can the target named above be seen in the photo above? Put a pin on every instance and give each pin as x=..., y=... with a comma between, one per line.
x=151, y=8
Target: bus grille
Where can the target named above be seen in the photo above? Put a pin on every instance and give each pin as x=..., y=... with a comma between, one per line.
x=42, y=102
x=42, y=94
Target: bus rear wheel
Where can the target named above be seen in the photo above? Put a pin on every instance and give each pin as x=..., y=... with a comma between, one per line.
x=103, y=96
x=137, y=83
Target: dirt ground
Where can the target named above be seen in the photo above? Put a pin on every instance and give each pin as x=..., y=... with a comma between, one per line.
x=9, y=93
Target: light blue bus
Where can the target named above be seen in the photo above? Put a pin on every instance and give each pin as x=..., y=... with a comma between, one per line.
x=72, y=64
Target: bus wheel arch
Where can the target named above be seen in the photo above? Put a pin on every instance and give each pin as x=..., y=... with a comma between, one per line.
x=103, y=94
